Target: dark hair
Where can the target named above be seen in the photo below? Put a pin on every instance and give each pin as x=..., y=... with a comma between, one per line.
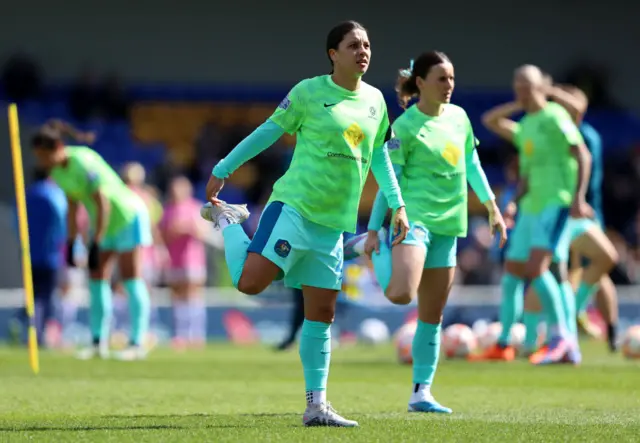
x=336, y=35
x=40, y=174
x=56, y=131
x=406, y=86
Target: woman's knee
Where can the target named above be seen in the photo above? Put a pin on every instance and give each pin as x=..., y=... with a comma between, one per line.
x=399, y=297
x=320, y=304
x=538, y=264
x=609, y=260
x=251, y=283
x=324, y=314
x=257, y=274
x=400, y=291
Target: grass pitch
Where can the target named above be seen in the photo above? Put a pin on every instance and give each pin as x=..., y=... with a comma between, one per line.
x=240, y=394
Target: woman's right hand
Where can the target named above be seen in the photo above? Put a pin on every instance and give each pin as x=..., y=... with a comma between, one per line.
x=214, y=186
x=372, y=243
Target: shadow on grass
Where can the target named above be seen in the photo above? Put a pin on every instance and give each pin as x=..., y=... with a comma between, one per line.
x=210, y=421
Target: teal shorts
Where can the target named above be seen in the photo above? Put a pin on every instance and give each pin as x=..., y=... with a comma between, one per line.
x=440, y=250
x=578, y=226
x=308, y=254
x=518, y=246
x=550, y=232
x=547, y=230
x=575, y=228
x=136, y=233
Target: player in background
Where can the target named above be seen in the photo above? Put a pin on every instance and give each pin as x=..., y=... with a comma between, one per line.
x=341, y=128
x=434, y=156
x=593, y=255
x=119, y=228
x=47, y=220
x=183, y=232
x=557, y=171
x=154, y=255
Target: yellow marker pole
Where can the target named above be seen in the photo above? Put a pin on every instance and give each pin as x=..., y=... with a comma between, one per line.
x=18, y=176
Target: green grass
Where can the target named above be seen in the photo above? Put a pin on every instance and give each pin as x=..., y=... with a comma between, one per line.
x=253, y=394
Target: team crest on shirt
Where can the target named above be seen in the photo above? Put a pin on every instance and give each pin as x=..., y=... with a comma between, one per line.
x=282, y=248
x=372, y=113
x=285, y=103
x=451, y=154
x=353, y=135
x=393, y=144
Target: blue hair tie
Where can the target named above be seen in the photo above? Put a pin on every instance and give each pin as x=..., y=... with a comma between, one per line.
x=408, y=72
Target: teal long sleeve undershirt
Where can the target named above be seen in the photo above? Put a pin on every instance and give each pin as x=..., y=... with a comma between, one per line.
x=255, y=143
x=384, y=174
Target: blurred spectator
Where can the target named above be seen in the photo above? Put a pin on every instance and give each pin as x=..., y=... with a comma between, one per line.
x=210, y=147
x=21, y=78
x=621, y=191
x=593, y=79
x=47, y=221
x=84, y=97
x=133, y=174
x=183, y=231
x=113, y=100
x=89, y=99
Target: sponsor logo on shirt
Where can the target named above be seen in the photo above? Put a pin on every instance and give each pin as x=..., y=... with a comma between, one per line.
x=342, y=156
x=446, y=175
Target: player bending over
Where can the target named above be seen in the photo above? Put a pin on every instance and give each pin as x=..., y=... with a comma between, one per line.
x=119, y=229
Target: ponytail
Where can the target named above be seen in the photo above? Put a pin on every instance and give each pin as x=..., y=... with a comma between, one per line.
x=54, y=132
x=406, y=87
x=68, y=131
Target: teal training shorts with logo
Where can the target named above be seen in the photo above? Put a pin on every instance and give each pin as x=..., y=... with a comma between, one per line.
x=440, y=250
x=136, y=233
x=518, y=247
x=309, y=254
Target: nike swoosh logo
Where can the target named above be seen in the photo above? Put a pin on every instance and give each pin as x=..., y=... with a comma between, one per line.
x=328, y=105
x=433, y=344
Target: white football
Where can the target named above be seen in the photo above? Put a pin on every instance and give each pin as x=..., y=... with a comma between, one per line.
x=458, y=341
x=518, y=333
x=490, y=335
x=373, y=331
x=631, y=343
x=403, y=340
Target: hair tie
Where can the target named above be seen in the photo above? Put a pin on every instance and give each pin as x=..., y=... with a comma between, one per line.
x=408, y=72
